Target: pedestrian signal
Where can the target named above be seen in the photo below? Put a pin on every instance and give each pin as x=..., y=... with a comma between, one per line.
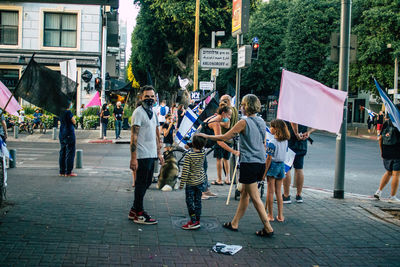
x=255, y=47
x=97, y=84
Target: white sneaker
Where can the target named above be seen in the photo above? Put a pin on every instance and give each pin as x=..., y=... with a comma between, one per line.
x=378, y=194
x=394, y=199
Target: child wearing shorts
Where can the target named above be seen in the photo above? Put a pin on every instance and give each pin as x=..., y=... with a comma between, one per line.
x=275, y=167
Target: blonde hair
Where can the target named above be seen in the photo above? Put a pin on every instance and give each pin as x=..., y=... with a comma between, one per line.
x=252, y=104
x=281, y=130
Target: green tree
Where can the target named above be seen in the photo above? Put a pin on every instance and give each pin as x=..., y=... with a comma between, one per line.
x=376, y=24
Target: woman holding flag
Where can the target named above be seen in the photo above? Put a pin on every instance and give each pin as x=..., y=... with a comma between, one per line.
x=252, y=161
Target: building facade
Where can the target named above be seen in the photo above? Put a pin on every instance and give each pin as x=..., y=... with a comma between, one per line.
x=54, y=33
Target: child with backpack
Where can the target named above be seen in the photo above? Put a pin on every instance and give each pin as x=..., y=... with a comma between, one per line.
x=275, y=167
x=194, y=176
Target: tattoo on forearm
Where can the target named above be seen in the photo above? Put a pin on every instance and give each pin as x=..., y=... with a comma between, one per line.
x=133, y=148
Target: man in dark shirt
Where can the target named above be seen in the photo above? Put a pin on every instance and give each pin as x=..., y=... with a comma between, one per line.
x=118, y=113
x=389, y=143
x=298, y=143
x=67, y=142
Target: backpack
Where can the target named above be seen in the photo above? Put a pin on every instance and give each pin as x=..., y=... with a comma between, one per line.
x=390, y=134
x=163, y=111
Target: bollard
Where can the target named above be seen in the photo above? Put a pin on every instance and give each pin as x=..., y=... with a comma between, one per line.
x=356, y=130
x=16, y=130
x=13, y=155
x=54, y=133
x=78, y=162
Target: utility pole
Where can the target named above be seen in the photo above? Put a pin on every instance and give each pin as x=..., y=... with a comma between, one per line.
x=103, y=62
x=196, y=47
x=343, y=86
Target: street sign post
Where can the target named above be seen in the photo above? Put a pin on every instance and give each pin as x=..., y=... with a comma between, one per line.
x=240, y=17
x=244, y=56
x=215, y=58
x=207, y=86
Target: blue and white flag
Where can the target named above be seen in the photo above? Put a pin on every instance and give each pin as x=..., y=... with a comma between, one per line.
x=186, y=129
x=370, y=113
x=289, y=154
x=394, y=113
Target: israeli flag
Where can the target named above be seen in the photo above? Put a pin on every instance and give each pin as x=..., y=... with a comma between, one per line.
x=186, y=129
x=289, y=154
x=394, y=113
x=370, y=113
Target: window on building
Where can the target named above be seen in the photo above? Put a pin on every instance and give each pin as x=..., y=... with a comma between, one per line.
x=8, y=27
x=60, y=30
x=9, y=78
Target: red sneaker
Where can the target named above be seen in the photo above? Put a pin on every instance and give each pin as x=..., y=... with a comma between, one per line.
x=132, y=214
x=72, y=174
x=143, y=218
x=191, y=226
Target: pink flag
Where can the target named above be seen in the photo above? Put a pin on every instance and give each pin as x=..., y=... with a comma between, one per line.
x=5, y=95
x=95, y=101
x=308, y=102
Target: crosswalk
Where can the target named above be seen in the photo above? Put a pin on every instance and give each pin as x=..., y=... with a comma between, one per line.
x=34, y=157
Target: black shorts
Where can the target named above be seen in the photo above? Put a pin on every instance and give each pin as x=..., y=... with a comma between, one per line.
x=251, y=172
x=391, y=164
x=220, y=153
x=298, y=162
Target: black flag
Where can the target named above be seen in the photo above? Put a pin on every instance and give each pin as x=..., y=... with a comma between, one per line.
x=45, y=88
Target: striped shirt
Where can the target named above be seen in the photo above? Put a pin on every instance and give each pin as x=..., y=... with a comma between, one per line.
x=193, y=169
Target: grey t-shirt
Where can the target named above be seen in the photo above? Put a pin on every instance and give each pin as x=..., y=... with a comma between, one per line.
x=252, y=147
x=147, y=142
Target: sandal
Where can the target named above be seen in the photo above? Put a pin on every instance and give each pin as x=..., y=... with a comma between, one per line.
x=227, y=183
x=264, y=233
x=228, y=225
x=216, y=183
x=279, y=220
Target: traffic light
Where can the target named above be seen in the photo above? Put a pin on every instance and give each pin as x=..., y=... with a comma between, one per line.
x=255, y=46
x=97, y=84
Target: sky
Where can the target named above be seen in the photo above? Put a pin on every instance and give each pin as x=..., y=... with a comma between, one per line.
x=128, y=12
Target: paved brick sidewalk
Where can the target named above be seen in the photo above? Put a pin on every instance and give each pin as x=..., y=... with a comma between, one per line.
x=82, y=221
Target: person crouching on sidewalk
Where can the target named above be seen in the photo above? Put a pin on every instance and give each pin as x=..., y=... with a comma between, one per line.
x=194, y=176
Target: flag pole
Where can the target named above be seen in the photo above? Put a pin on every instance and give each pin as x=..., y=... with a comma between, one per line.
x=12, y=93
x=233, y=178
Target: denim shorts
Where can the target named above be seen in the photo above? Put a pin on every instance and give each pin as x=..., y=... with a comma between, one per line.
x=276, y=170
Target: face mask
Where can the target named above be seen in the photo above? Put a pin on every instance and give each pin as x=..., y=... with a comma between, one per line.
x=149, y=102
x=225, y=120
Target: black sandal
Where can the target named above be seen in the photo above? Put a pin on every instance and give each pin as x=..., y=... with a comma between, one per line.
x=264, y=233
x=228, y=225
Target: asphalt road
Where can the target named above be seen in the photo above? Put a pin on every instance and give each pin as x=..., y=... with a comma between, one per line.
x=364, y=166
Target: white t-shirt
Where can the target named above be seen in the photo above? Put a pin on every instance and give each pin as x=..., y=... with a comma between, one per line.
x=147, y=142
x=277, y=149
x=21, y=118
x=161, y=118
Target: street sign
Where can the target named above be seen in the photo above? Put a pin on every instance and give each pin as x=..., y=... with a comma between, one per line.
x=391, y=91
x=397, y=96
x=255, y=40
x=240, y=16
x=195, y=96
x=215, y=58
x=244, y=56
x=209, y=86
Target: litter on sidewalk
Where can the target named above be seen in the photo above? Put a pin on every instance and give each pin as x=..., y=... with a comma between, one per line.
x=226, y=249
